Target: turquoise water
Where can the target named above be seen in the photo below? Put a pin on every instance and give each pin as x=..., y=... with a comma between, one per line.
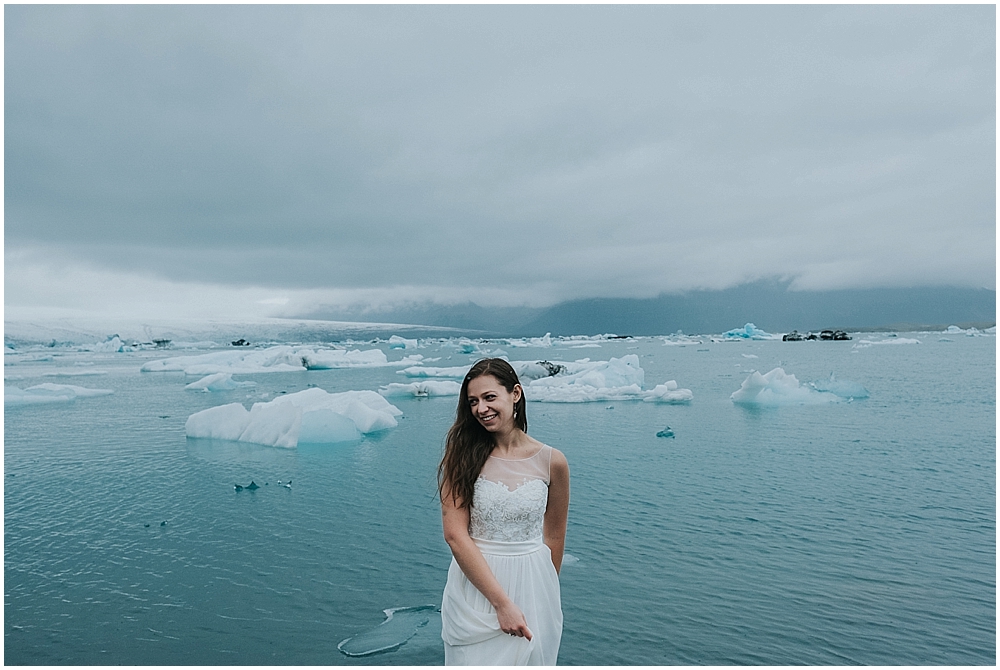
x=858, y=532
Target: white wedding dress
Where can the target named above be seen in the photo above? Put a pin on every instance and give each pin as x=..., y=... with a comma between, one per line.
x=508, y=510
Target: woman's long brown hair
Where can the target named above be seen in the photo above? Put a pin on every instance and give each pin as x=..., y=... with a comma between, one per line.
x=468, y=444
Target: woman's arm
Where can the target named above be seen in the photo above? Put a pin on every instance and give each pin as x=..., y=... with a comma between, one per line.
x=557, y=510
x=468, y=556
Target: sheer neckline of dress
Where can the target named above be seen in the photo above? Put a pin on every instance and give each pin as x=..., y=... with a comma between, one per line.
x=521, y=459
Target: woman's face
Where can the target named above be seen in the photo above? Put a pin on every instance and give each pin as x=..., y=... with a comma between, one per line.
x=492, y=404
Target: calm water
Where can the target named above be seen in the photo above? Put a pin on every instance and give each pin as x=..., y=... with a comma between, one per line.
x=861, y=532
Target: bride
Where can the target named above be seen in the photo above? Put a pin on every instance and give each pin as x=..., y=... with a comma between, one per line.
x=504, y=504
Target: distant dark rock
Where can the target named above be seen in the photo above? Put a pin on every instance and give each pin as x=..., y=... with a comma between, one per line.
x=666, y=432
x=241, y=343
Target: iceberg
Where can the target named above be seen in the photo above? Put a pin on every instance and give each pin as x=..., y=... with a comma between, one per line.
x=864, y=344
x=74, y=373
x=778, y=388
x=397, y=342
x=617, y=372
x=748, y=332
x=581, y=393
x=49, y=393
x=668, y=393
x=312, y=416
x=422, y=389
x=220, y=381
x=545, y=341
x=283, y=358
x=334, y=359
x=420, y=371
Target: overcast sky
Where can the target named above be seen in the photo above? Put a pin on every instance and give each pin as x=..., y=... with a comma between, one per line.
x=269, y=159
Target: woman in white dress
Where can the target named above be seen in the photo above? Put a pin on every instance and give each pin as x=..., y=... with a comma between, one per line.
x=504, y=504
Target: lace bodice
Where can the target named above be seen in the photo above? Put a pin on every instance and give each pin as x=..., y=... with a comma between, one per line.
x=509, y=499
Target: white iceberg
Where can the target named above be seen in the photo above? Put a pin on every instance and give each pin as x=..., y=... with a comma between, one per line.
x=334, y=359
x=49, y=393
x=778, y=388
x=864, y=344
x=748, y=332
x=422, y=389
x=448, y=373
x=282, y=358
x=397, y=342
x=614, y=373
x=545, y=341
x=74, y=373
x=310, y=416
x=582, y=393
x=668, y=393
x=220, y=381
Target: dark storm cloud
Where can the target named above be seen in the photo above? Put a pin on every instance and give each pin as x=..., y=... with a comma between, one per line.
x=590, y=150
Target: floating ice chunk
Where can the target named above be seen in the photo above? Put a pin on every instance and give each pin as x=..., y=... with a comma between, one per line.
x=49, y=393
x=397, y=342
x=400, y=625
x=778, y=388
x=944, y=339
x=581, y=393
x=420, y=371
x=74, y=373
x=617, y=372
x=282, y=358
x=332, y=359
x=220, y=381
x=422, y=389
x=545, y=341
x=297, y=417
x=589, y=345
x=953, y=329
x=863, y=344
x=668, y=393
x=748, y=332
x=841, y=387
x=569, y=559
x=226, y=422
x=112, y=345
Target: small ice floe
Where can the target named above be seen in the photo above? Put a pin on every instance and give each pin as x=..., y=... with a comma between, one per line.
x=545, y=341
x=569, y=559
x=49, y=393
x=666, y=432
x=420, y=371
x=312, y=416
x=748, y=332
x=400, y=624
x=841, y=387
x=749, y=355
x=282, y=358
x=422, y=389
x=668, y=393
x=74, y=373
x=778, y=388
x=220, y=381
x=397, y=342
x=864, y=344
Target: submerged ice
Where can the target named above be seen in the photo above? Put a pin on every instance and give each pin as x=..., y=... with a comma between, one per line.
x=312, y=416
x=400, y=624
x=220, y=381
x=422, y=389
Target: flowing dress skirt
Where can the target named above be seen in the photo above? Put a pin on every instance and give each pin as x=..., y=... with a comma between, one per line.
x=469, y=626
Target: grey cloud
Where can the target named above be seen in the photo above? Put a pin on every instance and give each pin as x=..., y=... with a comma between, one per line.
x=603, y=150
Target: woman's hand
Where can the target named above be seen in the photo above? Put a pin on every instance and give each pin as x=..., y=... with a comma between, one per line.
x=512, y=621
